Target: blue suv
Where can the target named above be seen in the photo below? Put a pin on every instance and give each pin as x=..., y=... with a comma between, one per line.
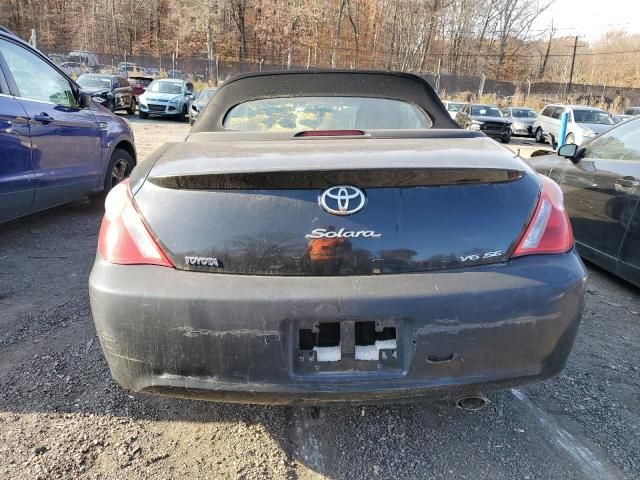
x=56, y=144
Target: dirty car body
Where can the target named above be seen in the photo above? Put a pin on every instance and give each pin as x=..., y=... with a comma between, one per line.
x=312, y=255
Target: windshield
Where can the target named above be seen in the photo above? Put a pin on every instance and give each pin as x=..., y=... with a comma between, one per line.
x=454, y=107
x=94, y=81
x=166, y=87
x=205, y=95
x=486, y=111
x=523, y=113
x=325, y=113
x=592, y=116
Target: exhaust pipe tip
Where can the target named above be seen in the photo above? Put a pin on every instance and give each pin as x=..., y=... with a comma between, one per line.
x=472, y=402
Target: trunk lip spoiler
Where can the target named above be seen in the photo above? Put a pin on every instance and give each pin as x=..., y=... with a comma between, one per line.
x=320, y=178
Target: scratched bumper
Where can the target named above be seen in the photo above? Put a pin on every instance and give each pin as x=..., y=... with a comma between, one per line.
x=233, y=337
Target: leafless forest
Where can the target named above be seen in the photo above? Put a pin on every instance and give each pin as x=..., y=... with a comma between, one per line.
x=459, y=37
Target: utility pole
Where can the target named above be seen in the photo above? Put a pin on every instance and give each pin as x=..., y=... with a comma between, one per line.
x=573, y=62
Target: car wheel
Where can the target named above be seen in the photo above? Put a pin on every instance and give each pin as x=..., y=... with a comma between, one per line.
x=132, y=108
x=506, y=139
x=143, y=115
x=570, y=138
x=539, y=136
x=120, y=166
x=185, y=114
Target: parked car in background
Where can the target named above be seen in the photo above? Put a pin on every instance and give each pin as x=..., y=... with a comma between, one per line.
x=111, y=91
x=377, y=254
x=199, y=103
x=166, y=97
x=56, y=144
x=177, y=74
x=521, y=119
x=139, y=83
x=584, y=123
x=88, y=60
x=453, y=107
x=601, y=185
x=73, y=69
x=485, y=118
x=633, y=111
x=123, y=68
x=621, y=118
x=57, y=58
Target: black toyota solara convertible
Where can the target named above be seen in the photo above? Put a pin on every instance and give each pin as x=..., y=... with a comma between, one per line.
x=330, y=237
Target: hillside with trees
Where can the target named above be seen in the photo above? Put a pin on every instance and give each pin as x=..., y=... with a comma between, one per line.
x=457, y=37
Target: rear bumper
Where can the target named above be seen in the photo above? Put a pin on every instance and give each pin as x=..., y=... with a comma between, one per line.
x=234, y=338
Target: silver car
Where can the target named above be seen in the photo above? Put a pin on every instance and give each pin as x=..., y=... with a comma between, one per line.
x=584, y=123
x=521, y=119
x=453, y=107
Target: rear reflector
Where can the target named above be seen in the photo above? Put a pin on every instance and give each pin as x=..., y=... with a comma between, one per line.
x=123, y=238
x=329, y=133
x=550, y=229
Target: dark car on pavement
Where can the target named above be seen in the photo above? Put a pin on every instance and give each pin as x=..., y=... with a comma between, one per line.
x=601, y=184
x=56, y=145
x=327, y=236
x=485, y=118
x=521, y=119
x=113, y=92
x=199, y=103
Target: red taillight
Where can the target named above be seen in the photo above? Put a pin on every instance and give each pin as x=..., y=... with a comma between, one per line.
x=329, y=133
x=549, y=230
x=123, y=237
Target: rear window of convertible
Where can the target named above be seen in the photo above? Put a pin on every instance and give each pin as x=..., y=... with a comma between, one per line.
x=325, y=113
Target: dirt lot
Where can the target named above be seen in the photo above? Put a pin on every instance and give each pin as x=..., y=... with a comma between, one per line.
x=61, y=415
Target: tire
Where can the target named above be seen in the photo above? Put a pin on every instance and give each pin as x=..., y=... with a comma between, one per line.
x=505, y=139
x=120, y=166
x=570, y=138
x=185, y=114
x=120, y=160
x=143, y=115
x=539, y=136
x=132, y=108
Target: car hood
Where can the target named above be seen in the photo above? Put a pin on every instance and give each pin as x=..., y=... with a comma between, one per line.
x=526, y=121
x=595, y=127
x=484, y=118
x=96, y=90
x=153, y=96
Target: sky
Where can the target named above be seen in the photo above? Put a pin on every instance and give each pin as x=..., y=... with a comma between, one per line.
x=591, y=18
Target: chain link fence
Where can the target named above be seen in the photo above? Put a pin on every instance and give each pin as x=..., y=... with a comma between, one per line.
x=468, y=88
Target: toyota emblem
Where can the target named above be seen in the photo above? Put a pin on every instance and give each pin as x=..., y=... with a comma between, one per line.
x=342, y=200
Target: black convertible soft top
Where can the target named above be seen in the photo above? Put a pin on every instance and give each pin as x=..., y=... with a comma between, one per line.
x=319, y=83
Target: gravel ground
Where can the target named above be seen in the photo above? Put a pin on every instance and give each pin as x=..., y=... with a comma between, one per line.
x=61, y=415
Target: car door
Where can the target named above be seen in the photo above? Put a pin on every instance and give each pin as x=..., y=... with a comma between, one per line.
x=17, y=183
x=122, y=93
x=66, y=154
x=553, y=123
x=601, y=194
x=630, y=251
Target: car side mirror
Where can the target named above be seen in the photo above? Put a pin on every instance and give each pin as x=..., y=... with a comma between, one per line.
x=84, y=99
x=570, y=151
